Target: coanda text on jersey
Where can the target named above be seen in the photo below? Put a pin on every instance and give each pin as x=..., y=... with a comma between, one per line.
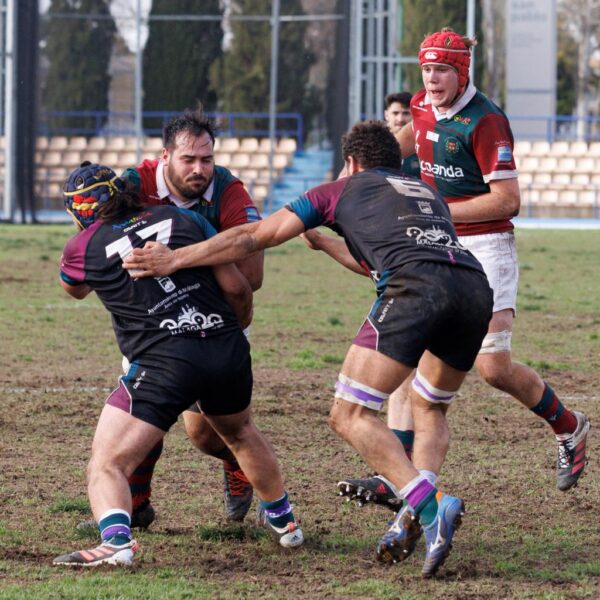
x=462, y=150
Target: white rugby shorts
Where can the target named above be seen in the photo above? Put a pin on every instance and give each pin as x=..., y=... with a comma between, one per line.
x=497, y=254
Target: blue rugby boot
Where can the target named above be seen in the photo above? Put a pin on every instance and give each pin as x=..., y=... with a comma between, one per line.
x=438, y=535
x=399, y=542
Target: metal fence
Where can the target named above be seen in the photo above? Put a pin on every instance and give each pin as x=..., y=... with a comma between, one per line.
x=561, y=127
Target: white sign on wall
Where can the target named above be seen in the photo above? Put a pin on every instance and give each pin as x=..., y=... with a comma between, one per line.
x=530, y=66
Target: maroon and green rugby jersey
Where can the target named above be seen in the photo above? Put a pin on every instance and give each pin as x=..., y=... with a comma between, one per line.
x=387, y=220
x=462, y=150
x=146, y=311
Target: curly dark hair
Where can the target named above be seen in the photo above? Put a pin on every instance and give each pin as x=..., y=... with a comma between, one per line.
x=372, y=144
x=193, y=121
x=120, y=203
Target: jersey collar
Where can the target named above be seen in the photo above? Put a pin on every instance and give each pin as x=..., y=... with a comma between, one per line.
x=163, y=189
x=466, y=97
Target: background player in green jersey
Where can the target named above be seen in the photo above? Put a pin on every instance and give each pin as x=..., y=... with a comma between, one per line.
x=397, y=115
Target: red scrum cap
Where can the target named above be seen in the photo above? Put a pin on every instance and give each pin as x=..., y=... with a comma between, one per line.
x=447, y=48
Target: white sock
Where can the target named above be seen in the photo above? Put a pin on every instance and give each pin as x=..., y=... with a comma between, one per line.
x=430, y=476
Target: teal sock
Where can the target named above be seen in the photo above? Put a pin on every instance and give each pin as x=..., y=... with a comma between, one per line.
x=423, y=497
x=427, y=509
x=279, y=512
x=114, y=526
x=407, y=439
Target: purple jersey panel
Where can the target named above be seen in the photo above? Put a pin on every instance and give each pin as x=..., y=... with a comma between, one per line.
x=325, y=198
x=72, y=262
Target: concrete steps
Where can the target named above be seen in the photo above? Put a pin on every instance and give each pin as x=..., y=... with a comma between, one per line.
x=308, y=169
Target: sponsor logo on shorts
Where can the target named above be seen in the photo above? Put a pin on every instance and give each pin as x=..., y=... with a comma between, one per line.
x=138, y=380
x=191, y=319
x=504, y=154
x=384, y=312
x=447, y=172
x=452, y=145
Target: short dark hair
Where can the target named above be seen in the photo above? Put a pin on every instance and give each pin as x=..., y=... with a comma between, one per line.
x=372, y=144
x=403, y=98
x=193, y=121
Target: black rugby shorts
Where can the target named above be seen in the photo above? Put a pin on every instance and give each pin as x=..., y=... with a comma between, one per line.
x=431, y=306
x=168, y=378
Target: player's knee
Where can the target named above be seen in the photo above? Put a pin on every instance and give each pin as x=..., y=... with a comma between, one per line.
x=338, y=418
x=243, y=435
x=342, y=417
x=102, y=466
x=201, y=439
x=498, y=375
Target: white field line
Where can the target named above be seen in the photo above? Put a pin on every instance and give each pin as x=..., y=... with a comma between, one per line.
x=75, y=388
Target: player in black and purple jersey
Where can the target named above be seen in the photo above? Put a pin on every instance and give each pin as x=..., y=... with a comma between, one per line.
x=432, y=310
x=182, y=336
x=465, y=148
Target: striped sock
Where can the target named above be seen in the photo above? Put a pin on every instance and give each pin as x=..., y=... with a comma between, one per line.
x=550, y=408
x=141, y=479
x=407, y=438
x=423, y=497
x=279, y=512
x=114, y=526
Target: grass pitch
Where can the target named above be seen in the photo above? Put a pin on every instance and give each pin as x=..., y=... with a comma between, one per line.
x=521, y=537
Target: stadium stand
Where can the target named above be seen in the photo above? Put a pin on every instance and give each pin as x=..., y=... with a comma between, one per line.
x=248, y=159
x=559, y=179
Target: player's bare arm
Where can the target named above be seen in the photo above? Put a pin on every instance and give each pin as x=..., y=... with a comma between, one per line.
x=252, y=268
x=79, y=291
x=237, y=292
x=406, y=139
x=334, y=247
x=502, y=202
x=232, y=245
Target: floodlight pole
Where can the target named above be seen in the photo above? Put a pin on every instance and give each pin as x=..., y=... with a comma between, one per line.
x=273, y=91
x=139, y=133
x=10, y=107
x=356, y=40
x=471, y=34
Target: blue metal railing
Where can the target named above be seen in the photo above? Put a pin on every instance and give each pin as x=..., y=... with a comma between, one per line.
x=558, y=127
x=288, y=124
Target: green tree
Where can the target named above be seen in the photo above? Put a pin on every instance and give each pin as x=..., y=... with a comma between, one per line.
x=566, y=75
x=78, y=51
x=243, y=74
x=421, y=18
x=178, y=56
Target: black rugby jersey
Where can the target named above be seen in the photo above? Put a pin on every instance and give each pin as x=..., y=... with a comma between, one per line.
x=187, y=303
x=387, y=220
